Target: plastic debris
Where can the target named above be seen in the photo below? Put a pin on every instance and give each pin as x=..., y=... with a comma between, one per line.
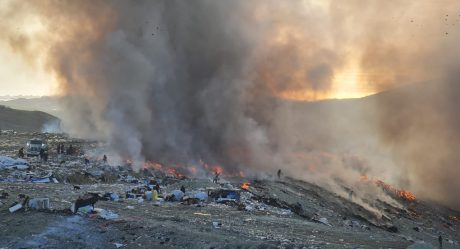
x=217, y=224
x=202, y=196
x=39, y=203
x=114, y=197
x=10, y=163
x=106, y=215
x=86, y=209
x=177, y=195
x=15, y=208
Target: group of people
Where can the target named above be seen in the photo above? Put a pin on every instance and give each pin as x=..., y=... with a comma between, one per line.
x=43, y=154
x=71, y=150
x=60, y=150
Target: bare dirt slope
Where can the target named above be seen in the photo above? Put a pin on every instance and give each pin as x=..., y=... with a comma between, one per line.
x=25, y=121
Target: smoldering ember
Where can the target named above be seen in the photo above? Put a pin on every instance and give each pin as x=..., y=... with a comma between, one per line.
x=229, y=124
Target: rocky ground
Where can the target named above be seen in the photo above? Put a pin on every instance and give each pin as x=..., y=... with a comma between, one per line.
x=281, y=213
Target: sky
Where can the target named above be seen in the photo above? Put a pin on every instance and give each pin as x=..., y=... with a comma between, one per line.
x=17, y=77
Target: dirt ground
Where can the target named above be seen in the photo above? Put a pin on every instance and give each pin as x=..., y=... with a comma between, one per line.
x=284, y=213
x=172, y=225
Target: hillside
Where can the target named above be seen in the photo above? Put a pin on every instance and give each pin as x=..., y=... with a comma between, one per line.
x=26, y=121
x=48, y=104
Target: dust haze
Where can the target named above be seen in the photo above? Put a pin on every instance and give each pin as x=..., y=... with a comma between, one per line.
x=231, y=83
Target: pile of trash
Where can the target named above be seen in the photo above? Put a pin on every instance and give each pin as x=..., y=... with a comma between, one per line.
x=11, y=163
x=26, y=203
x=85, y=206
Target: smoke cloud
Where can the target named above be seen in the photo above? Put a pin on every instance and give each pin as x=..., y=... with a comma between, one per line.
x=181, y=82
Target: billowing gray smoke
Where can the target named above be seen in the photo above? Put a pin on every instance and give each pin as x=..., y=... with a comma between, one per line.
x=177, y=82
x=180, y=82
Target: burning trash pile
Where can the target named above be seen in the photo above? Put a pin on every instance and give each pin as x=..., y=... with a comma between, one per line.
x=399, y=193
x=89, y=186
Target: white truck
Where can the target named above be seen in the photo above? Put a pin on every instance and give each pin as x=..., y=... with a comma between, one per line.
x=34, y=146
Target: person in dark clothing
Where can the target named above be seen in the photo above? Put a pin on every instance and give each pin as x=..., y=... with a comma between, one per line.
x=182, y=188
x=21, y=152
x=45, y=156
x=350, y=195
x=42, y=152
x=440, y=241
x=216, y=177
x=86, y=161
x=157, y=188
x=70, y=150
x=279, y=174
x=104, y=158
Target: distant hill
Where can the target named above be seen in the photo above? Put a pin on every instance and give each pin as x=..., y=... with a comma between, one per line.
x=27, y=121
x=48, y=104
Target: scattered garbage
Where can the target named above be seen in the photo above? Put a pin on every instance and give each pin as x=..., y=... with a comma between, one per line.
x=15, y=207
x=217, y=224
x=148, y=195
x=202, y=214
x=190, y=200
x=322, y=220
x=106, y=215
x=39, y=203
x=85, y=209
x=11, y=163
x=131, y=179
x=202, y=196
x=41, y=180
x=114, y=197
x=118, y=245
x=142, y=195
x=176, y=195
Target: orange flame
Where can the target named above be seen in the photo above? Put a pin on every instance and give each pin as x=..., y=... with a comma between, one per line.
x=453, y=218
x=400, y=193
x=181, y=170
x=407, y=195
x=173, y=171
x=193, y=170
x=403, y=194
x=245, y=185
x=218, y=169
x=152, y=165
x=364, y=178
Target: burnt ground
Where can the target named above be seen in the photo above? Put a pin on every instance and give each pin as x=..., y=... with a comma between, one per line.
x=271, y=214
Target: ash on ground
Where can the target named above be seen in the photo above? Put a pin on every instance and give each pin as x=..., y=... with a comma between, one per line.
x=78, y=199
